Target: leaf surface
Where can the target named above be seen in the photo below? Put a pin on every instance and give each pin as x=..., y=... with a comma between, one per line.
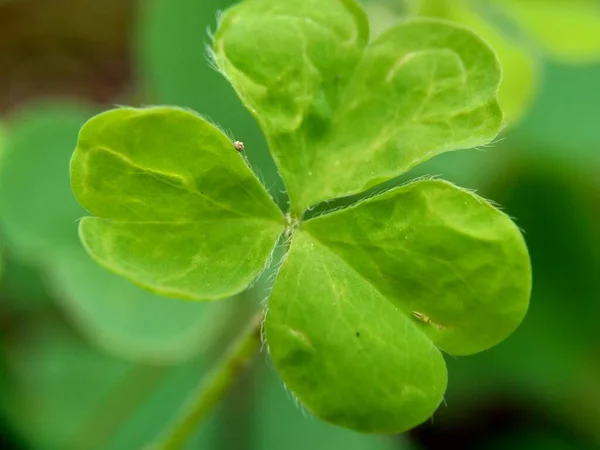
x=368, y=294
x=441, y=252
x=344, y=350
x=177, y=209
x=341, y=114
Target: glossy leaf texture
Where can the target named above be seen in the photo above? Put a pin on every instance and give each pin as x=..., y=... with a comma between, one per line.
x=39, y=220
x=367, y=295
x=342, y=114
x=566, y=30
x=177, y=210
x=520, y=66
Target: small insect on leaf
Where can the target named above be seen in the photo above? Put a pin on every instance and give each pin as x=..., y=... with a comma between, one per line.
x=239, y=146
x=422, y=317
x=426, y=320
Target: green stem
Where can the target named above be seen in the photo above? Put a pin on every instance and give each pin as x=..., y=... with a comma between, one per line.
x=213, y=387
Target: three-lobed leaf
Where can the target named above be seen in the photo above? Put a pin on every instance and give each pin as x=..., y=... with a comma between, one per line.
x=342, y=114
x=177, y=209
x=366, y=297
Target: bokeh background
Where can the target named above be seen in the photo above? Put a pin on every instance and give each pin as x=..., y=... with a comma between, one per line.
x=89, y=362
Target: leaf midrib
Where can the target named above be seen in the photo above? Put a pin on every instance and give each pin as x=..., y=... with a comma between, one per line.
x=186, y=222
x=184, y=186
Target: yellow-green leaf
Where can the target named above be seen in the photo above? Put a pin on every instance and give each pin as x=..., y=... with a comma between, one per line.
x=368, y=294
x=340, y=114
x=177, y=209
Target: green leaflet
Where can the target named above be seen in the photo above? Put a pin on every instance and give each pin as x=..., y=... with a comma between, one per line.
x=366, y=294
x=344, y=350
x=441, y=252
x=565, y=295
x=179, y=212
x=39, y=218
x=341, y=115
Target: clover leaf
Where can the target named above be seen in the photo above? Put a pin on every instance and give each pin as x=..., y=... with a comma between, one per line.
x=366, y=297
x=177, y=209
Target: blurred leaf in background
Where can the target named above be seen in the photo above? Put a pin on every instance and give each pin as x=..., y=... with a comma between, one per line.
x=66, y=395
x=566, y=30
x=533, y=440
x=563, y=121
x=22, y=286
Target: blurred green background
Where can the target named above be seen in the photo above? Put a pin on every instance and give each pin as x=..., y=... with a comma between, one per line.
x=88, y=361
